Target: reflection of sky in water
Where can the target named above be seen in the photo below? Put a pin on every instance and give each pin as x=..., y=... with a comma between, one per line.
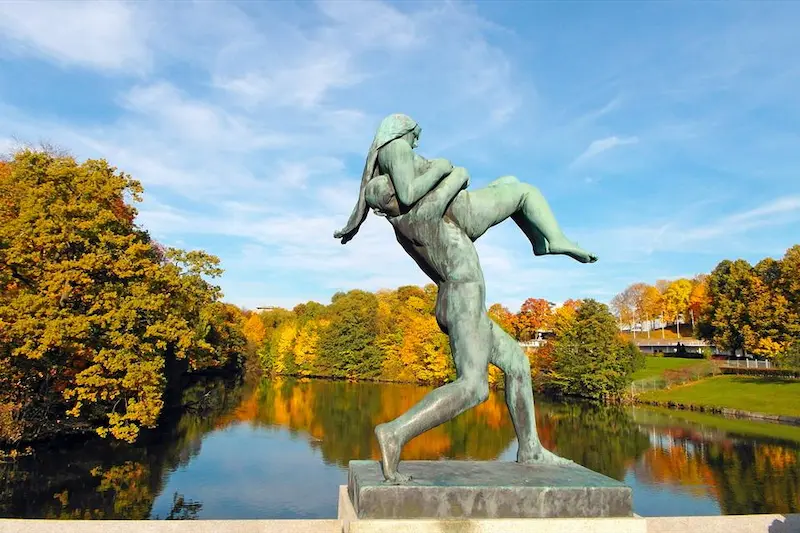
x=668, y=500
x=246, y=472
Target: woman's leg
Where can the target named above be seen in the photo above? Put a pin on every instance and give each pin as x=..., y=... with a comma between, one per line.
x=469, y=329
x=509, y=357
x=507, y=197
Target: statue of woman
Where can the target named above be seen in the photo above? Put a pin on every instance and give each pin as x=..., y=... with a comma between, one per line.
x=436, y=220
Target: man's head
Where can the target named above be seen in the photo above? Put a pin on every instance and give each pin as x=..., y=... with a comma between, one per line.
x=380, y=196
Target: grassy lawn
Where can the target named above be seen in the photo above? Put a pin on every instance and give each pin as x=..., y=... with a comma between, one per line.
x=670, y=333
x=760, y=395
x=655, y=366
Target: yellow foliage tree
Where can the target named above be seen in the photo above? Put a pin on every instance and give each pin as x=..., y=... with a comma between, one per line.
x=96, y=318
x=676, y=301
x=306, y=346
x=769, y=348
x=283, y=347
x=254, y=330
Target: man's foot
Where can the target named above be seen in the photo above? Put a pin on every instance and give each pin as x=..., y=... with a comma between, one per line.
x=390, y=455
x=571, y=249
x=542, y=456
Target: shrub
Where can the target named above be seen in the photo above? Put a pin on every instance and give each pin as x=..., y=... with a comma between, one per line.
x=779, y=373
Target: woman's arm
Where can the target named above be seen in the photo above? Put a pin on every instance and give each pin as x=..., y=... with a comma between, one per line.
x=397, y=160
x=435, y=202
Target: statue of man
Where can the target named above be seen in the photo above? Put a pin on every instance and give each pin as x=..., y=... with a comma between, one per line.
x=437, y=220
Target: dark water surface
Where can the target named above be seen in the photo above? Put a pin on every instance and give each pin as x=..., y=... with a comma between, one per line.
x=281, y=448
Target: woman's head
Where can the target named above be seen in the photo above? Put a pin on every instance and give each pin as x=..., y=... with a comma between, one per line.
x=396, y=126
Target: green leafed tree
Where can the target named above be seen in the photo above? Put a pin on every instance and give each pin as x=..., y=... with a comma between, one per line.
x=591, y=358
x=348, y=344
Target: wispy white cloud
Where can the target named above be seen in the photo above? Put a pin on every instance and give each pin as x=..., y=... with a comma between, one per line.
x=777, y=212
x=108, y=36
x=707, y=235
x=186, y=120
x=599, y=146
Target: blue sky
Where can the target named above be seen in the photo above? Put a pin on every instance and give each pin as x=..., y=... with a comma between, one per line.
x=664, y=134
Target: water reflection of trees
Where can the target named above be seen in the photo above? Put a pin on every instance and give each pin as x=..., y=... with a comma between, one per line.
x=99, y=479
x=339, y=418
x=602, y=438
x=743, y=475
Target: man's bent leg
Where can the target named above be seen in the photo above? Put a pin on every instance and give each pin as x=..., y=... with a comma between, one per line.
x=461, y=305
x=437, y=407
x=509, y=357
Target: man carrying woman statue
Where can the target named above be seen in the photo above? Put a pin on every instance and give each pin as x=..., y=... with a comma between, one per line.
x=436, y=221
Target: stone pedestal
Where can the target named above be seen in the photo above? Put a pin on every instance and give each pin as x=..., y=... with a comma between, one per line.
x=486, y=489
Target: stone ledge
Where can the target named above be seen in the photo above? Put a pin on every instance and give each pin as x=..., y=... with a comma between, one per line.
x=348, y=523
x=756, y=523
x=169, y=526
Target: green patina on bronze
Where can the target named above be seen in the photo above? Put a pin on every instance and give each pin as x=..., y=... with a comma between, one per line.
x=436, y=220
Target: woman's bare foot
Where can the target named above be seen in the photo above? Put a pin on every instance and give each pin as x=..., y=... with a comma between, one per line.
x=567, y=247
x=390, y=455
x=541, y=455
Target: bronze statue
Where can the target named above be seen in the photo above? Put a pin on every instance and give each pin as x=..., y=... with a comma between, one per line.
x=436, y=220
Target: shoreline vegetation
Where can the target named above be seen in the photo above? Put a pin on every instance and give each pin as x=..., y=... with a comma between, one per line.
x=102, y=328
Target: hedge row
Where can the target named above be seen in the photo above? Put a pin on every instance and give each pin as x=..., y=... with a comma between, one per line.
x=791, y=373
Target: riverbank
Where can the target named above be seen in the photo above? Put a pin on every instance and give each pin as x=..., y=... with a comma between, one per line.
x=749, y=397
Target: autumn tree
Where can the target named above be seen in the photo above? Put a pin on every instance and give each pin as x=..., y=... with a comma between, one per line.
x=504, y=318
x=306, y=346
x=698, y=299
x=751, y=309
x=254, y=331
x=625, y=307
x=96, y=318
x=413, y=346
x=770, y=315
x=788, y=284
x=727, y=320
x=534, y=315
x=564, y=316
x=650, y=305
x=676, y=301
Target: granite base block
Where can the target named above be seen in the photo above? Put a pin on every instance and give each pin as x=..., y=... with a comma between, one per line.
x=486, y=489
x=352, y=524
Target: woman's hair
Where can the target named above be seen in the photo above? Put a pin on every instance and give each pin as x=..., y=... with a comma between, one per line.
x=391, y=128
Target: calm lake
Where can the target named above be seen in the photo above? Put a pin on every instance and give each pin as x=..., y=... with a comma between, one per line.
x=279, y=449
